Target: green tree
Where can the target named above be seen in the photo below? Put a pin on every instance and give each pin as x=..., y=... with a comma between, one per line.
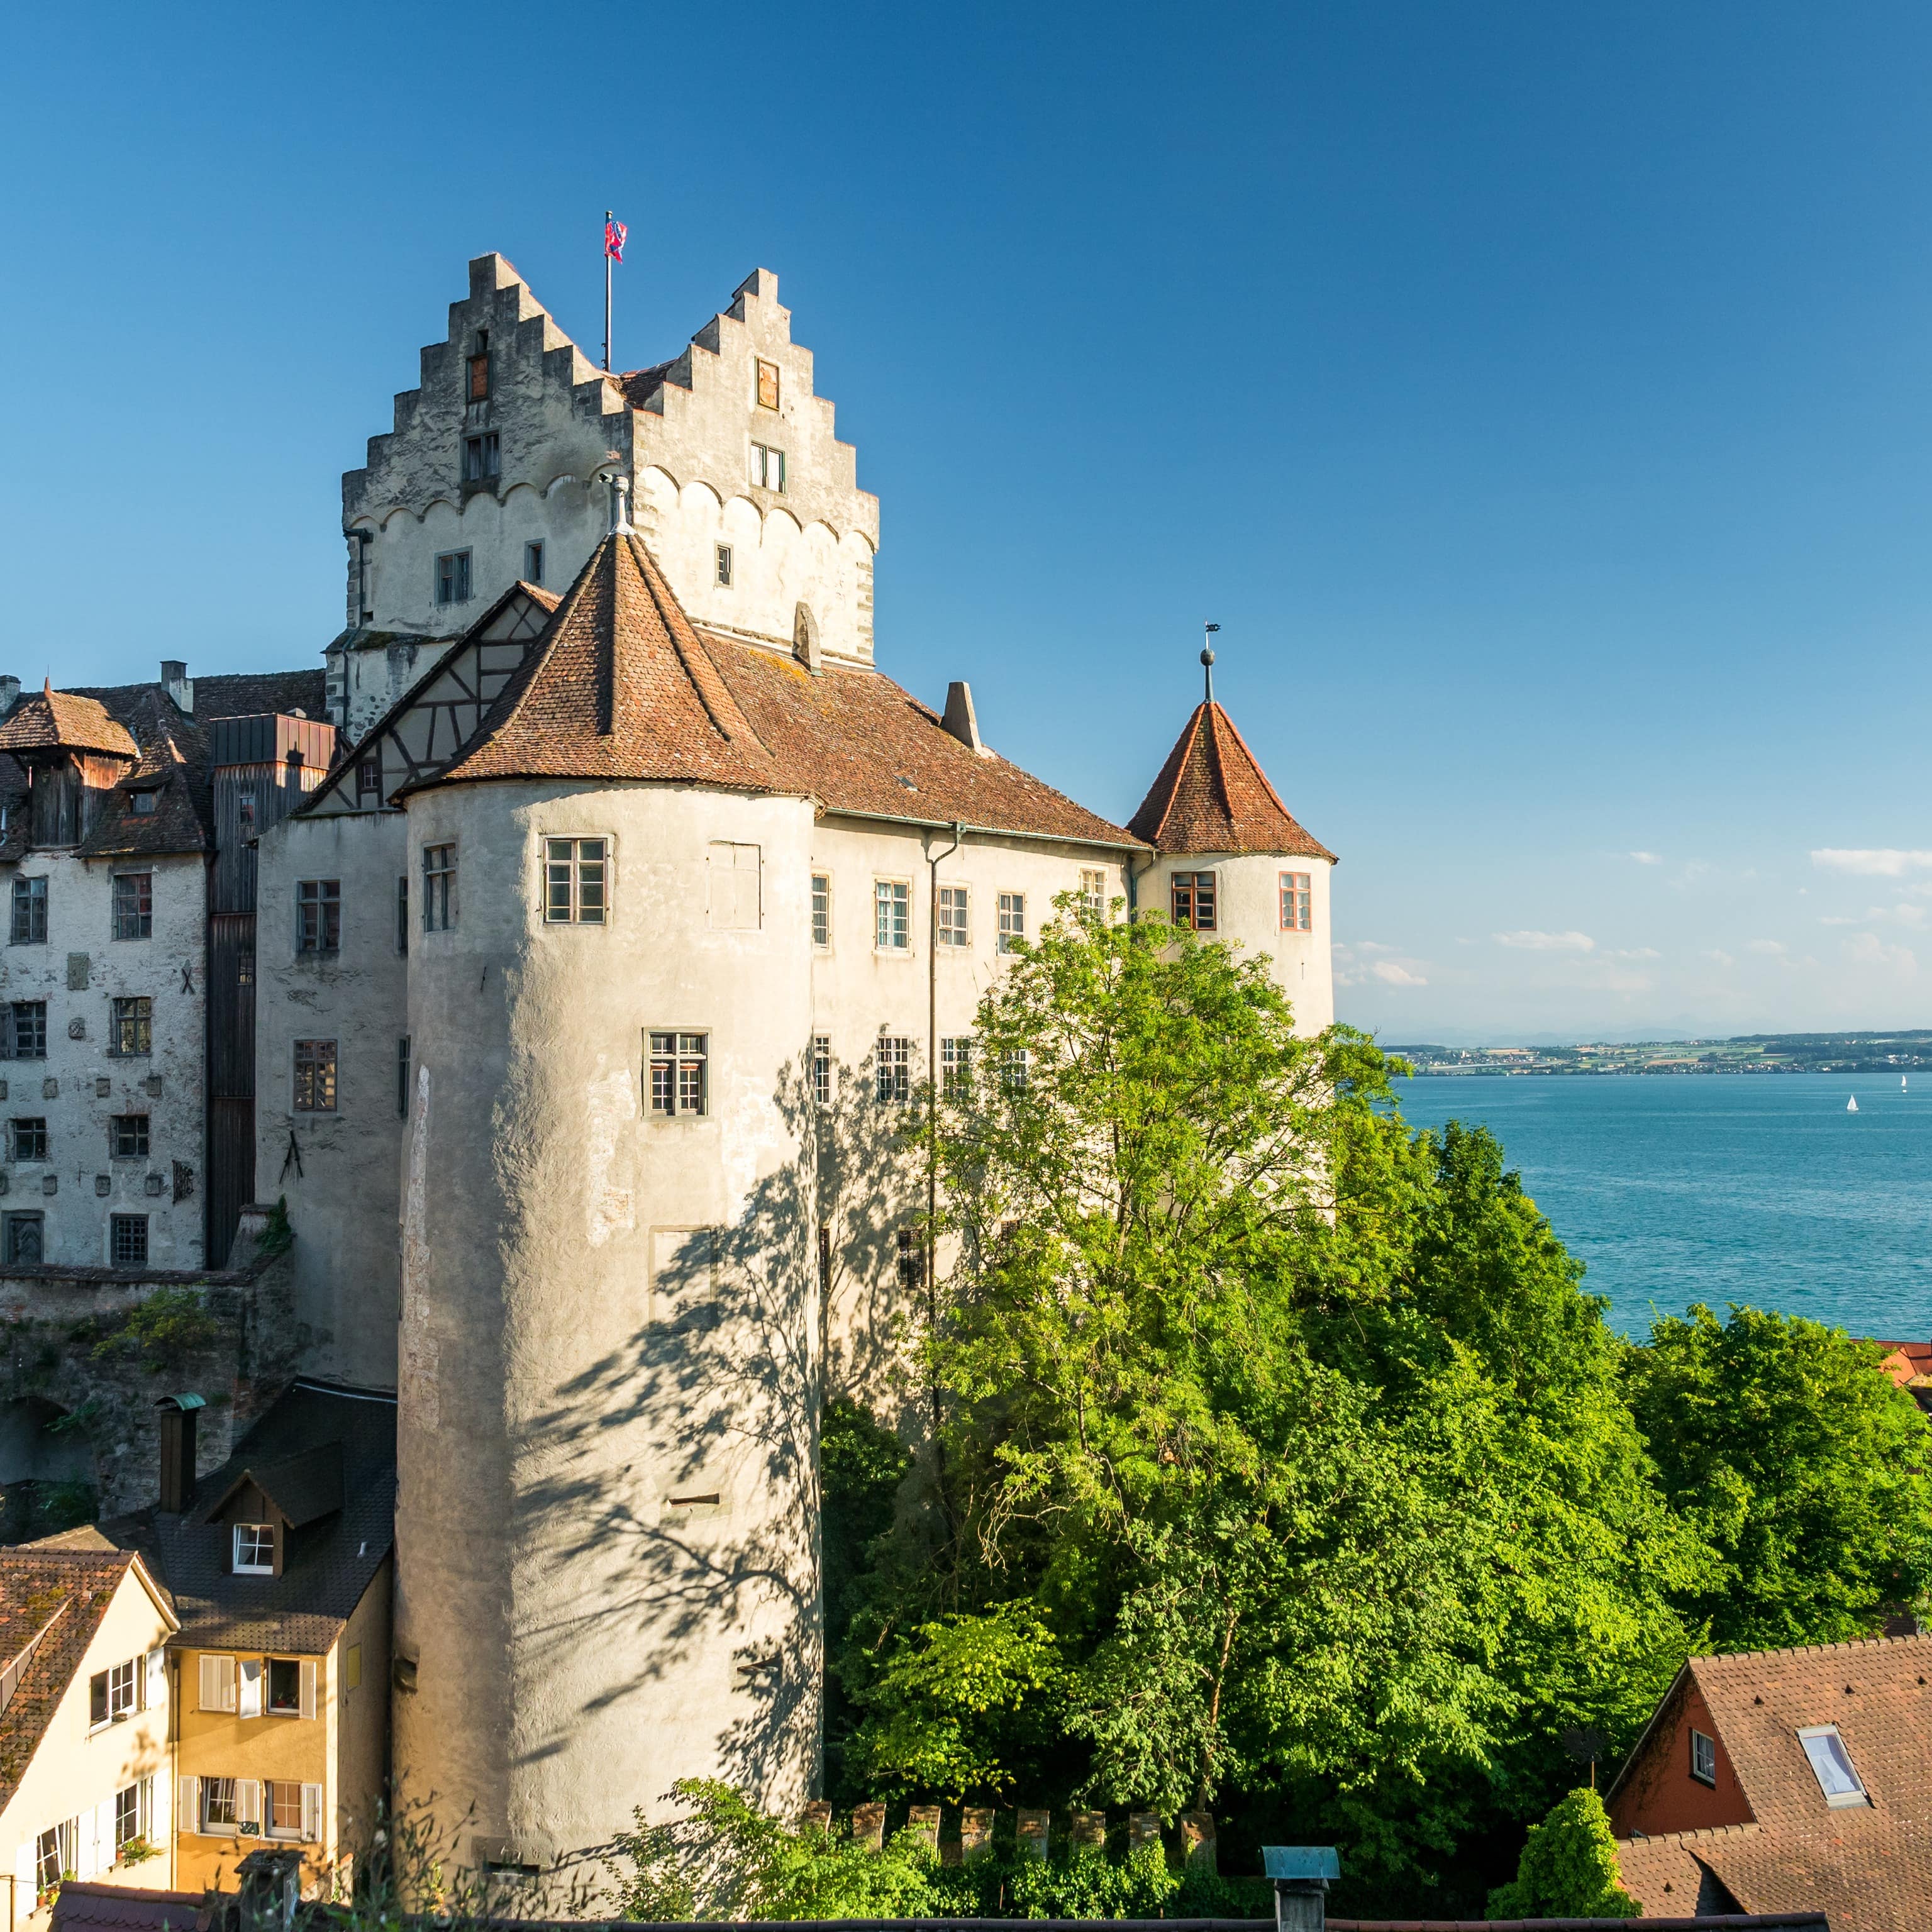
x=1568, y=1869
x=1800, y=1462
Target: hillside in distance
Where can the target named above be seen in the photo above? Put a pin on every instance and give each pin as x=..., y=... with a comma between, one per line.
x=1901, y=1052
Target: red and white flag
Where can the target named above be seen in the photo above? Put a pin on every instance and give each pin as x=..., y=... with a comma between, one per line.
x=614, y=232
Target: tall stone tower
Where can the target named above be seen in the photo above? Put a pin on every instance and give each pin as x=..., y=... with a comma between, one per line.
x=1234, y=863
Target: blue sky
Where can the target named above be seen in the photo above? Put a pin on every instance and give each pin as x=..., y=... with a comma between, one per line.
x=1539, y=398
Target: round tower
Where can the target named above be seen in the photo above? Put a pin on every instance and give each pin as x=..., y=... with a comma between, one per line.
x=1234, y=863
x=606, y=1522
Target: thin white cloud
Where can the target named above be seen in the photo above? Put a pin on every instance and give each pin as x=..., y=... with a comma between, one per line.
x=1632, y=952
x=1373, y=945
x=1717, y=956
x=1774, y=947
x=1881, y=861
x=1648, y=858
x=1867, y=949
x=1390, y=974
x=1547, y=942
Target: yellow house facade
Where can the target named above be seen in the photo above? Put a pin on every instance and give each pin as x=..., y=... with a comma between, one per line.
x=85, y=1709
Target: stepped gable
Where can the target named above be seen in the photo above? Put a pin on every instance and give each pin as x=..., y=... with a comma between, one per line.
x=854, y=740
x=619, y=687
x=1212, y=796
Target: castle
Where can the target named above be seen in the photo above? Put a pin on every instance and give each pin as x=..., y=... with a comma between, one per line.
x=597, y=938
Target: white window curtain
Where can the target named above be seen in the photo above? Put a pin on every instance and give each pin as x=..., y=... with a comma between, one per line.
x=251, y=1703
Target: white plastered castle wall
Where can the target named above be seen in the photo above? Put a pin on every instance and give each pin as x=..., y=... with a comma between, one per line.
x=603, y=1312
x=77, y=1769
x=342, y=1191
x=1250, y=918
x=561, y=424
x=79, y=972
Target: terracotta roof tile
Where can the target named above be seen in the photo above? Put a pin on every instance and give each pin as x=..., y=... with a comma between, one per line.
x=51, y=720
x=1870, y=1874
x=1212, y=796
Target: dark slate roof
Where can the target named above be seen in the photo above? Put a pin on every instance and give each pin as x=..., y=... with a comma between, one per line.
x=328, y=1560
x=87, y=1906
x=59, y=1596
x=170, y=751
x=300, y=1488
x=1212, y=796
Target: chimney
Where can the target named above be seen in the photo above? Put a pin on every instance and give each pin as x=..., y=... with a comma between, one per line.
x=1302, y=1875
x=178, y=685
x=959, y=719
x=9, y=694
x=178, y=1414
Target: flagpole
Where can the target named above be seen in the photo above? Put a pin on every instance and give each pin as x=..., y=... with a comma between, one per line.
x=607, y=291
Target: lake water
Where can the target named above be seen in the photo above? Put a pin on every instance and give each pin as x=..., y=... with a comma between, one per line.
x=1757, y=1188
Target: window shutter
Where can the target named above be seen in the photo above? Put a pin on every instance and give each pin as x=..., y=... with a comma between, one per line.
x=308, y=1686
x=145, y=1822
x=86, y=1864
x=26, y=1876
x=210, y=1682
x=155, y=1681
x=187, y=1803
x=248, y=1801
x=251, y=1703
x=103, y=1835
x=312, y=1814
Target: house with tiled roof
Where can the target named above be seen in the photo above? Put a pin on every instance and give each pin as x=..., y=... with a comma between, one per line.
x=127, y=821
x=1786, y=1779
x=84, y=1722
x=656, y=901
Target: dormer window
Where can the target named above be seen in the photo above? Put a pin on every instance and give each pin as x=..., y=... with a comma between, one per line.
x=142, y=803
x=254, y=1550
x=1832, y=1766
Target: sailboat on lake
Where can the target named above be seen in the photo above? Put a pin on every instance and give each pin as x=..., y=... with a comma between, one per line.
x=1851, y=1105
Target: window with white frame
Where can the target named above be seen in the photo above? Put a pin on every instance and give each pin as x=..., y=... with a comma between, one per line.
x=1015, y=1065
x=892, y=907
x=1013, y=920
x=768, y=467
x=576, y=878
x=821, y=911
x=221, y=1804
x=821, y=1069
x=56, y=1855
x=1094, y=894
x=1295, y=902
x=134, y=1814
x=114, y=1694
x=894, y=1069
x=254, y=1550
x=956, y=1064
x=953, y=908
x=291, y=1688
x=678, y=1074
x=1703, y=1758
x=1831, y=1765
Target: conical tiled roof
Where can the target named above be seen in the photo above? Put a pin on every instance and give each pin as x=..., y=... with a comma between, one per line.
x=1212, y=796
x=620, y=686
x=58, y=720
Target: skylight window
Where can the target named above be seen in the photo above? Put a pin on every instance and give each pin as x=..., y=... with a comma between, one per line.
x=1832, y=1766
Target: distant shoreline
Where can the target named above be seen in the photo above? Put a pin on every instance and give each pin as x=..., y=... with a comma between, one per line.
x=1863, y=1054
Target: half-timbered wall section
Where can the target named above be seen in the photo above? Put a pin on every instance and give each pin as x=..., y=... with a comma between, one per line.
x=422, y=732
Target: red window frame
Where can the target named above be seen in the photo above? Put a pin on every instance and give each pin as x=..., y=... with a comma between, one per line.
x=1195, y=900
x=1297, y=902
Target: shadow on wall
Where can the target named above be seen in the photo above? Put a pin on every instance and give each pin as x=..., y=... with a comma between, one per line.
x=47, y=1470
x=724, y=1381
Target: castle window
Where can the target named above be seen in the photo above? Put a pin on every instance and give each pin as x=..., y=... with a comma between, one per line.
x=821, y=1069
x=29, y=1030
x=26, y=1239
x=956, y=1064
x=30, y=912
x=1295, y=909
x=573, y=881
x=821, y=911
x=134, y=905
x=893, y=1067
x=143, y=804
x=1193, y=900
x=891, y=907
x=724, y=566
x=403, y=1076
x=1094, y=894
x=452, y=577
x=768, y=467
x=1703, y=1758
x=254, y=1555
x=131, y=1029
x=319, y=916
x=402, y=912
x=1013, y=920
x=482, y=457
x=533, y=563
x=953, y=911
x=736, y=886
x=911, y=1258
x=479, y=369
x=315, y=1076
x=129, y=1136
x=439, y=864
x=768, y=384
x=678, y=1067
x=369, y=781
x=127, y=1240
x=27, y=1140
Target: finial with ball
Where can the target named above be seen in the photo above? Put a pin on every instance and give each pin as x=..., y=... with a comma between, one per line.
x=1207, y=659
